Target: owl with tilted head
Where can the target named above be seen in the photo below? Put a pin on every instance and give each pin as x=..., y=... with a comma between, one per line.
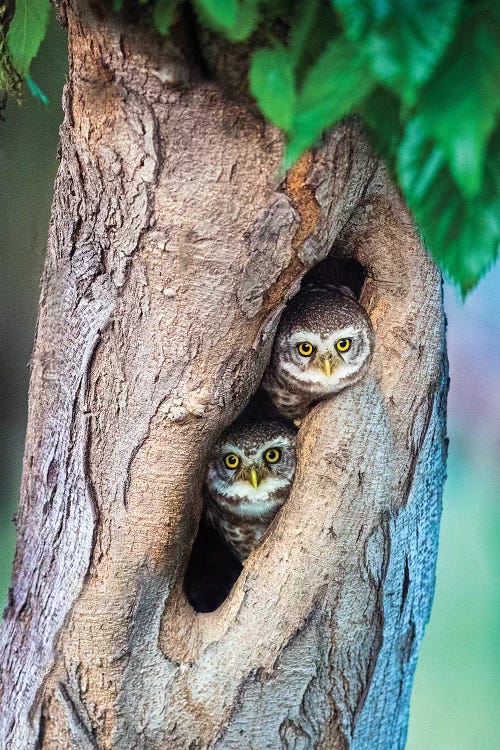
x=249, y=477
x=324, y=343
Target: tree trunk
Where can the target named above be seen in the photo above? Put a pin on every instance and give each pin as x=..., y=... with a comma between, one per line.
x=172, y=250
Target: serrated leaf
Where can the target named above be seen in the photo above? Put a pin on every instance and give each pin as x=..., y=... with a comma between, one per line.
x=164, y=14
x=462, y=233
x=26, y=32
x=272, y=83
x=404, y=40
x=337, y=82
x=460, y=104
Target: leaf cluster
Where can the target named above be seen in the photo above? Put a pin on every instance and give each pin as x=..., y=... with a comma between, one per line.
x=423, y=75
x=25, y=33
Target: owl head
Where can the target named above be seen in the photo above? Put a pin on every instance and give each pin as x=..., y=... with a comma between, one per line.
x=252, y=466
x=323, y=343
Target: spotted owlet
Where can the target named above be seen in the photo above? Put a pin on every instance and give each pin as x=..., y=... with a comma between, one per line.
x=249, y=477
x=324, y=343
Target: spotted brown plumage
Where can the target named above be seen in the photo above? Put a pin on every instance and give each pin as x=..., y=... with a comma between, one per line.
x=249, y=478
x=324, y=343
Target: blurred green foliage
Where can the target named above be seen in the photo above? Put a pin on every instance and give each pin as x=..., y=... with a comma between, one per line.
x=437, y=64
x=424, y=76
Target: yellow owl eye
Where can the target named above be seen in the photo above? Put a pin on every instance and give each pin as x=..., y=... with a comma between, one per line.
x=343, y=345
x=305, y=349
x=272, y=455
x=232, y=461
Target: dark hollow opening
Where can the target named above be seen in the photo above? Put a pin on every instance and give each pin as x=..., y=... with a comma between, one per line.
x=338, y=272
x=213, y=568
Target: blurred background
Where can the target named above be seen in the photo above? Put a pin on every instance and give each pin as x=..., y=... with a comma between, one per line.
x=456, y=699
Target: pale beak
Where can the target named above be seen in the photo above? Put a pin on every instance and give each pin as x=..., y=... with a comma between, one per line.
x=254, y=478
x=327, y=367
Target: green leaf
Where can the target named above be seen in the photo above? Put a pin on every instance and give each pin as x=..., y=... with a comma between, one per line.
x=26, y=32
x=313, y=27
x=381, y=112
x=223, y=13
x=272, y=83
x=463, y=233
x=301, y=28
x=460, y=104
x=164, y=14
x=246, y=21
x=338, y=81
x=404, y=39
x=236, y=20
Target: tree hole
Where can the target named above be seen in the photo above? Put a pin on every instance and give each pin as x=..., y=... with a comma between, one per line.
x=213, y=568
x=333, y=271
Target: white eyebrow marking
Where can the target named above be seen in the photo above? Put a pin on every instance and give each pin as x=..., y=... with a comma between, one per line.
x=309, y=336
x=230, y=448
x=322, y=342
x=347, y=365
x=277, y=442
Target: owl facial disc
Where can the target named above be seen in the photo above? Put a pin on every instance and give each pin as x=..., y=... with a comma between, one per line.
x=324, y=343
x=260, y=468
x=335, y=356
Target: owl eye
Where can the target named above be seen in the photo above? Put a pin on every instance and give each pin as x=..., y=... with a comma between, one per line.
x=343, y=345
x=232, y=461
x=272, y=455
x=305, y=349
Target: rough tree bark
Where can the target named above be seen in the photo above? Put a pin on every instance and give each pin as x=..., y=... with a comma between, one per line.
x=172, y=250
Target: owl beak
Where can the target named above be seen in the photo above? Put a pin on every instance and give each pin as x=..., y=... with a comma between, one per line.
x=254, y=478
x=326, y=365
